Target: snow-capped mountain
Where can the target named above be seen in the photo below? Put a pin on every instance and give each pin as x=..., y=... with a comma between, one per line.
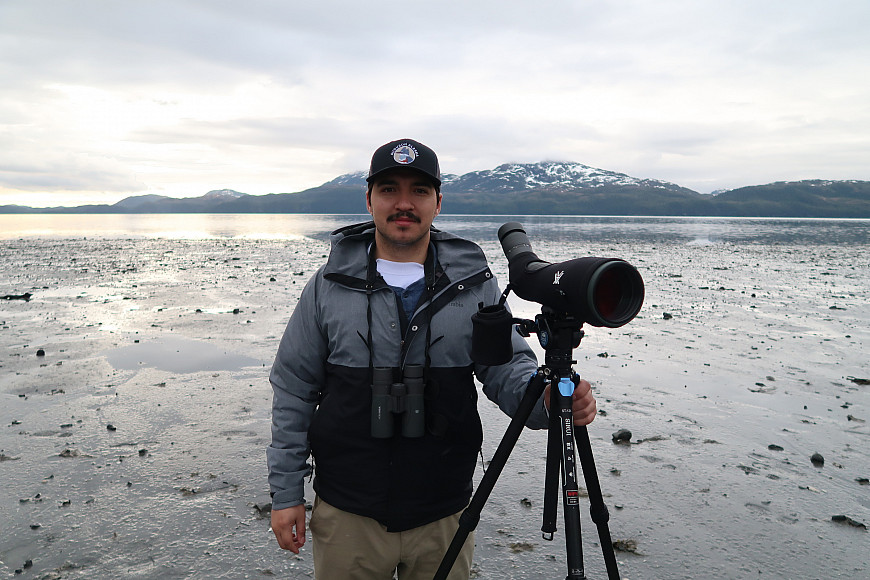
x=547, y=175
x=223, y=194
x=355, y=178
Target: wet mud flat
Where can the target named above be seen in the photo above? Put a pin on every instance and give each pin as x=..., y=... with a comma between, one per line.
x=134, y=413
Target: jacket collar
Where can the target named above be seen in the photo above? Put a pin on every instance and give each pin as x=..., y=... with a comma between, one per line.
x=349, y=255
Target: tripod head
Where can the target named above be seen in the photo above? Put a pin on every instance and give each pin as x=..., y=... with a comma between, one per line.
x=558, y=334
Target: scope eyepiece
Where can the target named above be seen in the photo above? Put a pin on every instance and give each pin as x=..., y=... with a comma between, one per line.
x=514, y=240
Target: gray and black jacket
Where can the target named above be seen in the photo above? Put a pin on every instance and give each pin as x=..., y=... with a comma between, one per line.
x=348, y=321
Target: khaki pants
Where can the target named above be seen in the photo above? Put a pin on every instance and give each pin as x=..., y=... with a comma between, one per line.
x=352, y=547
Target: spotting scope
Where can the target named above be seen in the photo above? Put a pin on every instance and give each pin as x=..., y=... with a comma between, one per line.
x=599, y=291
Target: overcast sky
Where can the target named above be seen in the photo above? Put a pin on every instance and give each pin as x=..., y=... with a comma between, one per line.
x=101, y=100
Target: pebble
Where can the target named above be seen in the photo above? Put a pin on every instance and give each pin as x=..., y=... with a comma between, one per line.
x=263, y=508
x=625, y=546
x=622, y=436
x=27, y=565
x=849, y=521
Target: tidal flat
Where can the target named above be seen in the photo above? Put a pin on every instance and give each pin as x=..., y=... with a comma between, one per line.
x=135, y=403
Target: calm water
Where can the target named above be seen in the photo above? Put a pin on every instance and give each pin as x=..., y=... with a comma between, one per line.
x=694, y=230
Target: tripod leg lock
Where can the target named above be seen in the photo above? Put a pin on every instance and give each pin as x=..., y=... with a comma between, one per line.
x=566, y=387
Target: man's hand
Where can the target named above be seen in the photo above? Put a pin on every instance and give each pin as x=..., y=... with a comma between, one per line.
x=582, y=402
x=283, y=524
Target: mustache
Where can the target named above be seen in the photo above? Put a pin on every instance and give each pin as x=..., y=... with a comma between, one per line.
x=403, y=215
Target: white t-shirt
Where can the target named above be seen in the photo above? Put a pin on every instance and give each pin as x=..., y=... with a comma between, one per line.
x=400, y=274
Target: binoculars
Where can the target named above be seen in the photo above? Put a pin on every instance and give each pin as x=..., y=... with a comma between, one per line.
x=391, y=399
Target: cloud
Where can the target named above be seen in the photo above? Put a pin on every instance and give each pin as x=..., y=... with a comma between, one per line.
x=69, y=173
x=179, y=97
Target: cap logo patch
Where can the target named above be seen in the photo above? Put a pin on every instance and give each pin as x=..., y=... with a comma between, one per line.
x=404, y=154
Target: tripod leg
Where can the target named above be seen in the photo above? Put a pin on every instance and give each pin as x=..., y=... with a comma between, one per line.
x=596, y=500
x=471, y=516
x=551, y=481
x=570, y=489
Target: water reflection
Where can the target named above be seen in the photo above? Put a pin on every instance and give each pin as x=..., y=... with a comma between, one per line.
x=177, y=355
x=601, y=229
x=667, y=230
x=173, y=226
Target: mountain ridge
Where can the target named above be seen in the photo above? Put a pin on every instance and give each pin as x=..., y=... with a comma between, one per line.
x=543, y=188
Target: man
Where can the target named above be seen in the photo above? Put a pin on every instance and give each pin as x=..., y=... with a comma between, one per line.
x=394, y=292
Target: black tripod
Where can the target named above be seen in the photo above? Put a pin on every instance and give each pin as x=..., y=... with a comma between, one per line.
x=559, y=335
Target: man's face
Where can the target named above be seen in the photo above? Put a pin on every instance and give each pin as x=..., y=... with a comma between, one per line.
x=403, y=203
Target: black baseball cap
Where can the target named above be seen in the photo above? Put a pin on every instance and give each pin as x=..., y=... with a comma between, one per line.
x=405, y=153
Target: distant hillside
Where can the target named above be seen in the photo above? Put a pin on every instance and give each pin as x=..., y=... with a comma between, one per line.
x=546, y=188
x=136, y=202
x=812, y=198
